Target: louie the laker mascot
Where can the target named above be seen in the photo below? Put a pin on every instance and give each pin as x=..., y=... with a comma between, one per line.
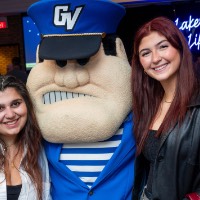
x=82, y=94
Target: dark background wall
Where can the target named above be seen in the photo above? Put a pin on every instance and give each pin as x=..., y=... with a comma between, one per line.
x=135, y=17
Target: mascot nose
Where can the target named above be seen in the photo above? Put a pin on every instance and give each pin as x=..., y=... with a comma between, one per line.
x=71, y=76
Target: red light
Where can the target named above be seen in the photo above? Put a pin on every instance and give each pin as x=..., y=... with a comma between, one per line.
x=3, y=25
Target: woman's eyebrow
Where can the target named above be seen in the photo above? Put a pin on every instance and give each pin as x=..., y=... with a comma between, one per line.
x=155, y=45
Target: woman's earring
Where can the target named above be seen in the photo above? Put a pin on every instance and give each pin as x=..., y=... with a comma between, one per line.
x=145, y=72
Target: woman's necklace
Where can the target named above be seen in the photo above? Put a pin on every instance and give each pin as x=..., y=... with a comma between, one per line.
x=164, y=98
x=167, y=101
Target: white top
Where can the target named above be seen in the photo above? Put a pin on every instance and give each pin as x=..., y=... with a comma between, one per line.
x=28, y=191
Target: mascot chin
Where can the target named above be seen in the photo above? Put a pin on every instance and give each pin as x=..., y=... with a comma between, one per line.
x=81, y=90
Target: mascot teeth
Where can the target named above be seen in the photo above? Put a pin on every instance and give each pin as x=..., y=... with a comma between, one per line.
x=53, y=97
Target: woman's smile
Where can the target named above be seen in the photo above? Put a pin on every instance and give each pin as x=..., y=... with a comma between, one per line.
x=158, y=57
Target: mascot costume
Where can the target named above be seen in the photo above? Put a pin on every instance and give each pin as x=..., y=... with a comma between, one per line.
x=81, y=89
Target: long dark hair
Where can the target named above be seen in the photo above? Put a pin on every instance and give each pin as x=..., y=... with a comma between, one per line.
x=30, y=135
x=148, y=92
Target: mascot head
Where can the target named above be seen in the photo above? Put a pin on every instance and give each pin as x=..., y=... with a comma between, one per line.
x=81, y=82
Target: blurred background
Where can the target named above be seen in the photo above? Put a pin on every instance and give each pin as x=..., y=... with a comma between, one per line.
x=19, y=36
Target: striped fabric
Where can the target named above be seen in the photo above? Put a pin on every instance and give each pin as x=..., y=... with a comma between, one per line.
x=89, y=159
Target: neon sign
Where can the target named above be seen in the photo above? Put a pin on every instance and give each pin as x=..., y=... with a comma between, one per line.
x=190, y=28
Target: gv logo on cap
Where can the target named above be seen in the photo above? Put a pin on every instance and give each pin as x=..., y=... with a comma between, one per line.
x=64, y=17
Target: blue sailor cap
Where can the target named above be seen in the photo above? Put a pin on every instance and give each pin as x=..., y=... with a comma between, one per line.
x=73, y=29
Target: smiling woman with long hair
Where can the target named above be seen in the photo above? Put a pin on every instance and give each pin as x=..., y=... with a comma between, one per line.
x=166, y=106
x=23, y=165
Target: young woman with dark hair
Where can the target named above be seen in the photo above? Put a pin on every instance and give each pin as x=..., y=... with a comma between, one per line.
x=23, y=165
x=166, y=106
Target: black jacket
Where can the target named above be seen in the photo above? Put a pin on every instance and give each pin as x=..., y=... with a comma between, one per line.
x=177, y=165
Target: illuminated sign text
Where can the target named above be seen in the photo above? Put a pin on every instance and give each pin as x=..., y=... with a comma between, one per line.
x=191, y=29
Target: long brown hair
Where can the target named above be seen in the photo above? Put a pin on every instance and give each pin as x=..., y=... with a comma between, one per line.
x=148, y=92
x=29, y=137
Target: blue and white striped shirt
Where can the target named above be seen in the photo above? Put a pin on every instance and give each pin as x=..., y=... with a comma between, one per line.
x=88, y=160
